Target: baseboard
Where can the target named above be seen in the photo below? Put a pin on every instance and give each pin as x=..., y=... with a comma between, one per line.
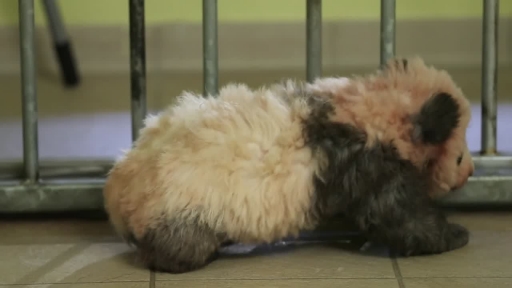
x=256, y=46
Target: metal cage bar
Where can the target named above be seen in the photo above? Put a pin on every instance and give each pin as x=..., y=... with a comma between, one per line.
x=29, y=90
x=313, y=39
x=137, y=65
x=387, y=30
x=62, y=44
x=77, y=185
x=210, y=48
x=489, y=76
x=53, y=15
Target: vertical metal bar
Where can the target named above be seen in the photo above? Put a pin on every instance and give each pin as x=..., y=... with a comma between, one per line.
x=137, y=65
x=29, y=89
x=489, y=75
x=313, y=39
x=210, y=48
x=387, y=30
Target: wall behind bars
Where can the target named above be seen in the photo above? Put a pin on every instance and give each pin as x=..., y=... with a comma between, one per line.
x=114, y=12
x=99, y=29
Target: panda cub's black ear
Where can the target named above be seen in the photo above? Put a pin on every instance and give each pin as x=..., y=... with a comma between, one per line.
x=436, y=120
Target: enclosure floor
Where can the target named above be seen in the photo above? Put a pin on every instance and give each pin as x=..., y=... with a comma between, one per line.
x=93, y=119
x=86, y=253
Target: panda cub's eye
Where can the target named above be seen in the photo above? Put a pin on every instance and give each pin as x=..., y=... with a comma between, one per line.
x=459, y=160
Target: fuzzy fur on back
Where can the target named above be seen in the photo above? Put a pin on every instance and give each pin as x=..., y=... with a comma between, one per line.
x=238, y=162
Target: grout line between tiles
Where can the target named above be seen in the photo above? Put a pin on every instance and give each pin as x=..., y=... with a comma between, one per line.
x=272, y=279
x=396, y=269
x=58, y=284
x=152, y=283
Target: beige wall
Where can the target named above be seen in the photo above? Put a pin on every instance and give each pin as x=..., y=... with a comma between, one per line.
x=115, y=12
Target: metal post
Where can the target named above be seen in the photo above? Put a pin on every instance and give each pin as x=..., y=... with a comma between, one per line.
x=210, y=48
x=63, y=47
x=313, y=39
x=137, y=65
x=29, y=90
x=489, y=75
x=387, y=30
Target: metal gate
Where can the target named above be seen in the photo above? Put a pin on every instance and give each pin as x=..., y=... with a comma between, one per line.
x=32, y=186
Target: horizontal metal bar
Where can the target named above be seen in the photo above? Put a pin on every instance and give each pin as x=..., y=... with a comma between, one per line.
x=79, y=168
x=51, y=196
x=490, y=163
x=59, y=169
x=86, y=194
x=482, y=191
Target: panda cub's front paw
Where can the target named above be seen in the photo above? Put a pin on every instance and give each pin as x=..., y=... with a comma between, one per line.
x=457, y=236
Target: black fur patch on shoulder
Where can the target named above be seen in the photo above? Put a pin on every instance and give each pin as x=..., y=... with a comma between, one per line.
x=437, y=119
x=383, y=195
x=339, y=144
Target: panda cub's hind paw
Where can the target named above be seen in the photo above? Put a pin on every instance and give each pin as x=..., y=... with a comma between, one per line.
x=458, y=237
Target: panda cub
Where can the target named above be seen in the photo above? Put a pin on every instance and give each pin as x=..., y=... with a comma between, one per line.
x=255, y=166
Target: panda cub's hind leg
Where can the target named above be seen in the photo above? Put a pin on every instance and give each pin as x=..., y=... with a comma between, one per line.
x=176, y=246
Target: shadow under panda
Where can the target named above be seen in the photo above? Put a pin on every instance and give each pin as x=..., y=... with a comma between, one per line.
x=256, y=166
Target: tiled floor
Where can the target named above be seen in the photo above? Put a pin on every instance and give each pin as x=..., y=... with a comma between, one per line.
x=86, y=253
